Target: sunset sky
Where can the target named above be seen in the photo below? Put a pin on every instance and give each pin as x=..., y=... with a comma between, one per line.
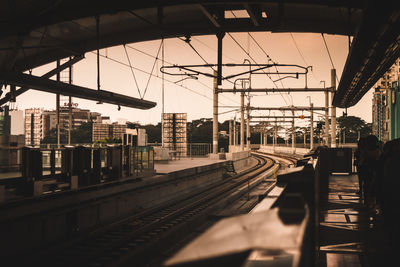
x=194, y=97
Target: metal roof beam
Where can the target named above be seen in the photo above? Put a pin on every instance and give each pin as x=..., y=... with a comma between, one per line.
x=280, y=117
x=51, y=86
x=254, y=13
x=288, y=108
x=49, y=74
x=275, y=90
x=214, y=18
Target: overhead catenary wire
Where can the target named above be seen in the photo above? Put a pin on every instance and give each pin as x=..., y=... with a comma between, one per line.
x=143, y=71
x=329, y=54
x=133, y=73
x=169, y=63
x=269, y=58
x=152, y=69
x=302, y=57
x=244, y=50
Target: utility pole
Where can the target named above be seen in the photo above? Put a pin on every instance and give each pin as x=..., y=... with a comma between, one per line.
x=312, y=127
x=58, y=108
x=230, y=133
x=215, y=115
x=234, y=131
x=293, y=135
x=333, y=109
x=70, y=106
x=248, y=126
x=326, y=133
x=242, y=121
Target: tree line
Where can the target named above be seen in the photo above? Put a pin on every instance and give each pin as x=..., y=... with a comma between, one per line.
x=200, y=131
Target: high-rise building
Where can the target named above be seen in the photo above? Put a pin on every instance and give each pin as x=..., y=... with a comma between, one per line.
x=385, y=117
x=45, y=120
x=174, y=131
x=102, y=131
x=17, y=122
x=33, y=126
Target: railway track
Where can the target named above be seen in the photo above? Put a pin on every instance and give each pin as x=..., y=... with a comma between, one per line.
x=134, y=239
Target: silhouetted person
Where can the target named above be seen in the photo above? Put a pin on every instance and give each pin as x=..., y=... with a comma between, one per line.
x=369, y=167
x=357, y=163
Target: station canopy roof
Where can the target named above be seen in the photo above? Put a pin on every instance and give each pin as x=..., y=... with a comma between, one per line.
x=37, y=32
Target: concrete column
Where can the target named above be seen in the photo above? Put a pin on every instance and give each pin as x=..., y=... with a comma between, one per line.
x=293, y=134
x=242, y=121
x=230, y=133
x=311, y=126
x=248, y=134
x=333, y=109
x=215, y=116
x=234, y=132
x=261, y=138
x=326, y=133
x=265, y=138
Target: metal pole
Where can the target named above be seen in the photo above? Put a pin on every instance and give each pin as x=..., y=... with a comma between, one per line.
x=293, y=135
x=333, y=109
x=312, y=127
x=326, y=133
x=58, y=108
x=234, y=132
x=248, y=127
x=215, y=115
x=70, y=107
x=242, y=121
x=162, y=95
x=230, y=133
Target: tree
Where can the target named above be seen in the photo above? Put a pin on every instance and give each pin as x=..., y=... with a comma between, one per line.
x=80, y=135
x=351, y=126
x=153, y=132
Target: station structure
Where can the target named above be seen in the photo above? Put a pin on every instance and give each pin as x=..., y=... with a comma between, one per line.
x=254, y=205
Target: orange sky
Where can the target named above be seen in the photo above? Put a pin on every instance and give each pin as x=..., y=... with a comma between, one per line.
x=279, y=46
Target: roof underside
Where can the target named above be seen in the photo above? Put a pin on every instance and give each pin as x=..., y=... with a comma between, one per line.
x=37, y=32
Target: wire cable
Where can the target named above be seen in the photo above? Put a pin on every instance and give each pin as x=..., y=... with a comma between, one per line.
x=329, y=54
x=302, y=57
x=133, y=73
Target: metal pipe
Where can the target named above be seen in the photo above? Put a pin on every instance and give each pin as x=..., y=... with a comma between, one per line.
x=248, y=126
x=242, y=121
x=333, y=110
x=215, y=117
x=312, y=127
x=58, y=108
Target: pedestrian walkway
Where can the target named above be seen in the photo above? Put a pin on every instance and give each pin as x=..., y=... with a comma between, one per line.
x=350, y=234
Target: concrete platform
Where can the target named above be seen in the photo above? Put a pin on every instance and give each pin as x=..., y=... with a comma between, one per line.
x=182, y=164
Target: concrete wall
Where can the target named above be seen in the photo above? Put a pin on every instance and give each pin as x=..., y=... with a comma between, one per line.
x=284, y=149
x=42, y=221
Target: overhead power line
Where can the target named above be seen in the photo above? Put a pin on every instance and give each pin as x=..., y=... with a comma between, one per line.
x=329, y=54
x=302, y=57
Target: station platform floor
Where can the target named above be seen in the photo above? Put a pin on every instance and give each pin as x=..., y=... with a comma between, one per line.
x=182, y=164
x=351, y=234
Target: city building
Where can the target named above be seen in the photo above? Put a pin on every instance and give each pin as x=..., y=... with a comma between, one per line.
x=17, y=126
x=102, y=131
x=45, y=120
x=33, y=126
x=135, y=137
x=394, y=101
x=78, y=117
x=385, y=118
